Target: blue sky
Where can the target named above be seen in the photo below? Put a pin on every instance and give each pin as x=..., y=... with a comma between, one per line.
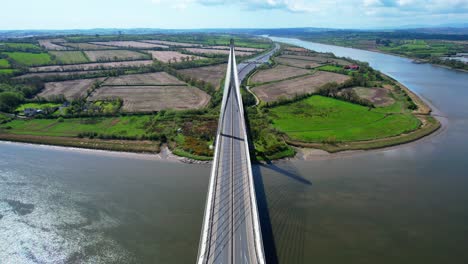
x=186, y=14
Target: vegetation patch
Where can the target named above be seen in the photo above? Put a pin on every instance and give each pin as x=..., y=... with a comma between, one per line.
x=328, y=120
x=36, y=106
x=69, y=57
x=29, y=59
x=114, y=55
x=6, y=71
x=4, y=64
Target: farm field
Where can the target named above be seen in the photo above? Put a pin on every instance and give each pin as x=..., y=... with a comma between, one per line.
x=297, y=86
x=130, y=44
x=217, y=51
x=297, y=63
x=29, y=59
x=296, y=49
x=36, y=106
x=276, y=73
x=6, y=71
x=124, y=126
x=69, y=57
x=318, y=58
x=92, y=66
x=114, y=55
x=87, y=46
x=19, y=46
x=48, y=44
x=172, y=43
x=237, y=48
x=4, y=64
x=165, y=56
x=211, y=74
x=154, y=98
x=157, y=78
x=70, y=89
x=317, y=119
x=378, y=96
x=53, y=74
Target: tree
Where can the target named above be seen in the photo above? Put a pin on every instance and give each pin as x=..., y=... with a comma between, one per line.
x=10, y=100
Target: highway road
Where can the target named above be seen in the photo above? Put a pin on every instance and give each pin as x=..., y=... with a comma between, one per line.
x=231, y=231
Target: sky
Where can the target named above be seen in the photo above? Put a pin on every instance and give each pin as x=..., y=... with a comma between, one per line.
x=192, y=14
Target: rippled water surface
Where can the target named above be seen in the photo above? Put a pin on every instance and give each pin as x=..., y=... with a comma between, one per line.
x=402, y=205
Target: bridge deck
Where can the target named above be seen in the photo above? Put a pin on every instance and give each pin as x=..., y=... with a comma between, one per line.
x=231, y=229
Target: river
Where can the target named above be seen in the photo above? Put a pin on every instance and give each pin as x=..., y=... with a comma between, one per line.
x=407, y=204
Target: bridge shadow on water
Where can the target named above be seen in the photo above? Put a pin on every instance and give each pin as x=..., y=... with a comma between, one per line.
x=281, y=218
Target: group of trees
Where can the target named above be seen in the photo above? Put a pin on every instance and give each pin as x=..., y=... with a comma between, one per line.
x=13, y=94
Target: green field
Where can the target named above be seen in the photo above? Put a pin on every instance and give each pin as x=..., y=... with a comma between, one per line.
x=69, y=57
x=318, y=119
x=6, y=71
x=29, y=59
x=4, y=64
x=332, y=68
x=36, y=106
x=4, y=118
x=122, y=126
x=420, y=48
x=19, y=46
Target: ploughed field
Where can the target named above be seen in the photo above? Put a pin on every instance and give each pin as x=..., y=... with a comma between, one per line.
x=278, y=72
x=217, y=51
x=73, y=89
x=139, y=92
x=114, y=55
x=154, y=98
x=290, y=88
x=174, y=56
x=211, y=74
x=130, y=44
x=157, y=78
x=92, y=66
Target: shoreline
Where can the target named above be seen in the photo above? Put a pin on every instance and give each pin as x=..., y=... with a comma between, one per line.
x=310, y=154
x=302, y=153
x=392, y=54
x=165, y=155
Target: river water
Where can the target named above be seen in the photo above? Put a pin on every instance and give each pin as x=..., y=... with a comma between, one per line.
x=407, y=204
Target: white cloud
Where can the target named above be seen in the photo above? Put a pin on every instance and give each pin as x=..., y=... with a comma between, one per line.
x=286, y=5
x=375, y=8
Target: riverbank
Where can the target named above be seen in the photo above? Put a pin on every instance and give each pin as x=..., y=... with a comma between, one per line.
x=414, y=59
x=165, y=154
